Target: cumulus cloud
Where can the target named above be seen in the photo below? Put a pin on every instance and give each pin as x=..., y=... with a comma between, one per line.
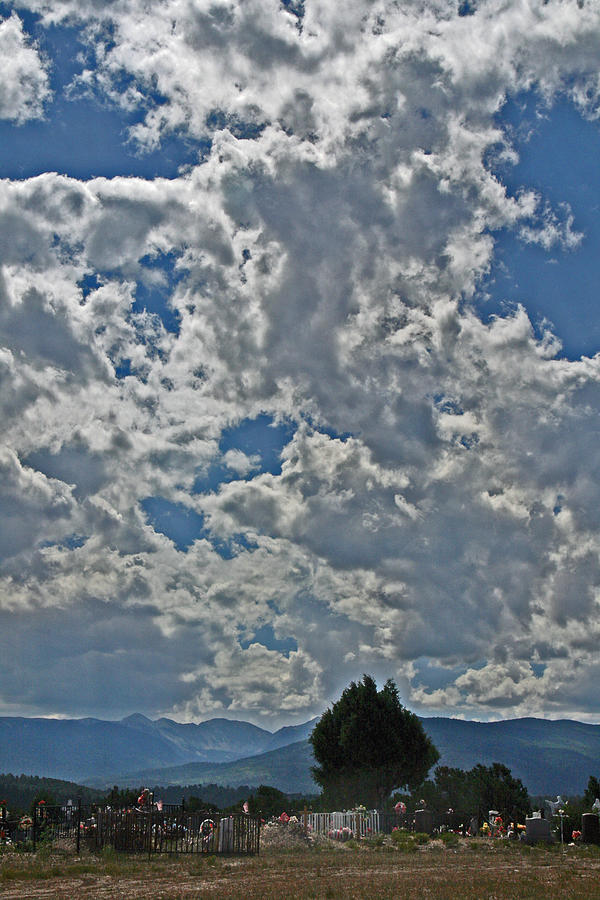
x=24, y=87
x=435, y=497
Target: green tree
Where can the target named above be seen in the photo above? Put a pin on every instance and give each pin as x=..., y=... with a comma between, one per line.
x=457, y=790
x=194, y=804
x=367, y=744
x=43, y=797
x=476, y=792
x=592, y=790
x=496, y=788
x=267, y=801
x=121, y=798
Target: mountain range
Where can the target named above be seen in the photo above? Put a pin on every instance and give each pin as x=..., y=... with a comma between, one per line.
x=550, y=757
x=86, y=749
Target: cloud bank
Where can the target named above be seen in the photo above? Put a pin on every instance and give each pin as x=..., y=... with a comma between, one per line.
x=260, y=398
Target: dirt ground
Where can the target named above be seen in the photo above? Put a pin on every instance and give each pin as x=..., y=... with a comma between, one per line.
x=472, y=870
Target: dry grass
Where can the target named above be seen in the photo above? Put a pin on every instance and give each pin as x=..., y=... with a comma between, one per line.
x=472, y=870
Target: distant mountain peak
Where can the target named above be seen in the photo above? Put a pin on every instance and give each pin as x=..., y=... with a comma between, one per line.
x=137, y=720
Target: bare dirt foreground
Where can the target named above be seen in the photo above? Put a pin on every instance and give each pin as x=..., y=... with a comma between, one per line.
x=477, y=869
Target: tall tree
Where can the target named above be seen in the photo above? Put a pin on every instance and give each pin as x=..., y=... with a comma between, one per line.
x=496, y=788
x=592, y=791
x=455, y=790
x=367, y=744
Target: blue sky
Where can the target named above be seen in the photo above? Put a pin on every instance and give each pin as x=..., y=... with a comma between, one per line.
x=558, y=153
x=260, y=439
x=298, y=348
x=83, y=135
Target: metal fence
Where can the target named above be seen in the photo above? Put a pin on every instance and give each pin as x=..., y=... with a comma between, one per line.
x=169, y=830
x=355, y=824
x=361, y=824
x=44, y=823
x=177, y=831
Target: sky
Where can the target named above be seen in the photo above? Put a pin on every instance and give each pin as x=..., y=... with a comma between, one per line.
x=299, y=372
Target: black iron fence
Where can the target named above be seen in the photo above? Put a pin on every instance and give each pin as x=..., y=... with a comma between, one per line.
x=170, y=829
x=44, y=823
x=176, y=831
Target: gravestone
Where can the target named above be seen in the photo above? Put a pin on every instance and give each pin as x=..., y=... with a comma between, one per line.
x=424, y=821
x=538, y=829
x=225, y=841
x=452, y=821
x=590, y=828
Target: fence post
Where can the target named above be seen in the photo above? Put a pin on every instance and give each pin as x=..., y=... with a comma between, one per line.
x=305, y=820
x=150, y=826
x=35, y=811
x=78, y=841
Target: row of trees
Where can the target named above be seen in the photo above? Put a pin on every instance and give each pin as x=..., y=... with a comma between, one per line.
x=476, y=792
x=21, y=792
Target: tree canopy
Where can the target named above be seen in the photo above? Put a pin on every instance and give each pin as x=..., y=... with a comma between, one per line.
x=498, y=789
x=367, y=744
x=477, y=791
x=267, y=801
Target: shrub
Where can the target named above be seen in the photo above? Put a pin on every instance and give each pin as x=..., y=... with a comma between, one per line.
x=421, y=837
x=449, y=838
x=399, y=836
x=375, y=841
x=407, y=847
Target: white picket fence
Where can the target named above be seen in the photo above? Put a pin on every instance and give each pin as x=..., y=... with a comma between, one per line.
x=360, y=824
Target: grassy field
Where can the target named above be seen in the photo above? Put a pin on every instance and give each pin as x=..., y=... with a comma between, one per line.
x=477, y=869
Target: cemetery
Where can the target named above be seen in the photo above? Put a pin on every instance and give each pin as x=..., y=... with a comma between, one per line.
x=228, y=854
x=337, y=863
x=153, y=828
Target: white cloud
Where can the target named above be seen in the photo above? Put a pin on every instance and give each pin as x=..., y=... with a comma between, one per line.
x=240, y=462
x=24, y=87
x=439, y=496
x=32, y=506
